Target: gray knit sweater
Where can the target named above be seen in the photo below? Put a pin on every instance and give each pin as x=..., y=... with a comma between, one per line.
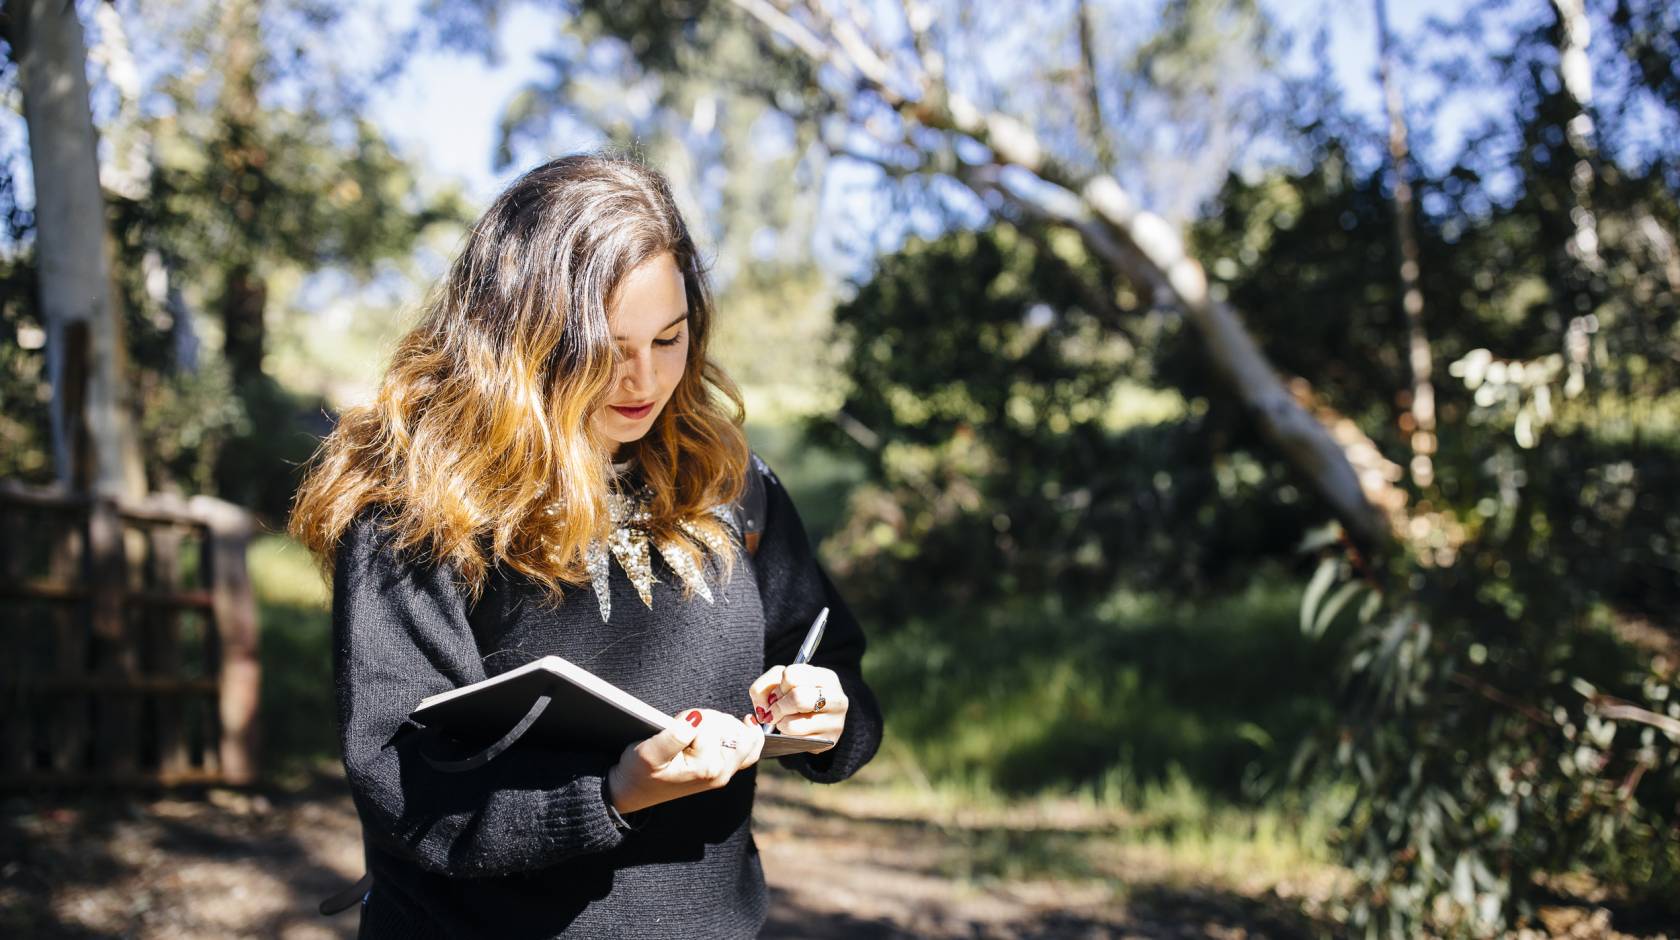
x=526, y=846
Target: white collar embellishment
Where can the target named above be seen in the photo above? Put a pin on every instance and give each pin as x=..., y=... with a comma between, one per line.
x=629, y=542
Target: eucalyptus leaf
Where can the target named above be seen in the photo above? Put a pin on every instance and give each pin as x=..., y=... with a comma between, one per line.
x=1334, y=605
x=1319, y=584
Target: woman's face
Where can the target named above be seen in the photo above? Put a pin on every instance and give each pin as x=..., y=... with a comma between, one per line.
x=649, y=321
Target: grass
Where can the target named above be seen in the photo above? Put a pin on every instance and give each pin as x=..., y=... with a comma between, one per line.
x=298, y=714
x=1156, y=733
x=1027, y=697
x=1173, y=830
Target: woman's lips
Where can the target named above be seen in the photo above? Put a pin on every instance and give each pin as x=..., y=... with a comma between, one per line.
x=633, y=411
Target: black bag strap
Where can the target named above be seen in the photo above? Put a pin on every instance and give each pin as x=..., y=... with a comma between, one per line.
x=488, y=754
x=751, y=508
x=348, y=898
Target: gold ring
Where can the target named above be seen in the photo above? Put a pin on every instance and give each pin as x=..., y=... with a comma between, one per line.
x=822, y=702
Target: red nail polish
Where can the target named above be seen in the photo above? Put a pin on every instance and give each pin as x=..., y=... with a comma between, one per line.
x=773, y=697
x=763, y=714
x=693, y=718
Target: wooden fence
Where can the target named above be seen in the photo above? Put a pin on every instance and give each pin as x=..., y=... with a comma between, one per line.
x=128, y=641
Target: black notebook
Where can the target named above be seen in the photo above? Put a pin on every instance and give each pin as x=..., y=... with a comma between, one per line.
x=586, y=711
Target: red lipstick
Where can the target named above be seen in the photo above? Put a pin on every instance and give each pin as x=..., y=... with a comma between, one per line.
x=633, y=412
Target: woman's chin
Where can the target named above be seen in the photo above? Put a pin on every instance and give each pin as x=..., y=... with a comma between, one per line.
x=619, y=432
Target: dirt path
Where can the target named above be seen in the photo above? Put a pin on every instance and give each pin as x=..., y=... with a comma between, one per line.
x=841, y=864
x=846, y=863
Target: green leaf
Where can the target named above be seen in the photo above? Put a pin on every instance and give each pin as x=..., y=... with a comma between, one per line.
x=1463, y=888
x=1320, y=583
x=1334, y=606
x=1368, y=610
x=1325, y=535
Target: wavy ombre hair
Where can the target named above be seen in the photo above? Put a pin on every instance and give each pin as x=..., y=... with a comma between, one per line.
x=482, y=422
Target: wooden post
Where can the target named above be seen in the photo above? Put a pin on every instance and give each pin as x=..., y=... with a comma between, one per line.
x=70, y=723
x=163, y=645
x=16, y=733
x=235, y=613
x=116, y=742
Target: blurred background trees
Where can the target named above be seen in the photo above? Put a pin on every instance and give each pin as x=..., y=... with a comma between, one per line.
x=212, y=197
x=1505, y=705
x=1147, y=392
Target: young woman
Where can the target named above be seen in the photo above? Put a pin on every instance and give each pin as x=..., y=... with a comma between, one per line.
x=553, y=466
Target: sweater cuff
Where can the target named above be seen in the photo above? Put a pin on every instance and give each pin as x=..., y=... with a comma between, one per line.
x=858, y=742
x=581, y=817
x=622, y=822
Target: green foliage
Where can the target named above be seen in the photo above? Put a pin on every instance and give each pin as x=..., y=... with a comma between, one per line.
x=1507, y=675
x=188, y=421
x=818, y=479
x=1507, y=694
x=301, y=196
x=1034, y=695
x=260, y=465
x=1484, y=760
x=1175, y=720
x=235, y=200
x=25, y=451
x=1484, y=735
x=1006, y=429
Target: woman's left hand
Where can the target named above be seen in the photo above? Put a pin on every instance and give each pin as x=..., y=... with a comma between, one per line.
x=803, y=701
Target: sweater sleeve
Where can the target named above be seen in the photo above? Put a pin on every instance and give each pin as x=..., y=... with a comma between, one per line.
x=794, y=588
x=400, y=633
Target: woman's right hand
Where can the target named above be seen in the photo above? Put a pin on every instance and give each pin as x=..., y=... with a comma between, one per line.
x=701, y=751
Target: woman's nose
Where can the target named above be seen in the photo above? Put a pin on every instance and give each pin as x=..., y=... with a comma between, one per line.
x=638, y=373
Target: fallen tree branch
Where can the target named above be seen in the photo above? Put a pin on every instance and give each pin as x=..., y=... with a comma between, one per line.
x=1615, y=709
x=1133, y=241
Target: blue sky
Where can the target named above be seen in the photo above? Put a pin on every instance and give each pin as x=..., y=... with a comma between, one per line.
x=444, y=109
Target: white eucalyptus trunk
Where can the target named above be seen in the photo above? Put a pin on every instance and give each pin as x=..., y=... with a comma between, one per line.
x=1139, y=243
x=1422, y=405
x=78, y=299
x=1575, y=69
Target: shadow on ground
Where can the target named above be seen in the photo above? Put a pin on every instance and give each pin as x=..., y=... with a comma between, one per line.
x=223, y=864
x=1166, y=914
x=210, y=865
x=227, y=864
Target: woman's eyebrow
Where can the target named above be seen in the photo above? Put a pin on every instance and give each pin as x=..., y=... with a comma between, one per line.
x=662, y=329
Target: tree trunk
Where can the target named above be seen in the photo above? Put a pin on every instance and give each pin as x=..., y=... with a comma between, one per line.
x=1421, y=408
x=78, y=299
x=244, y=291
x=244, y=296
x=1575, y=69
x=1096, y=126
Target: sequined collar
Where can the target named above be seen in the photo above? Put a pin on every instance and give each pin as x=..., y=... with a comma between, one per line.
x=629, y=542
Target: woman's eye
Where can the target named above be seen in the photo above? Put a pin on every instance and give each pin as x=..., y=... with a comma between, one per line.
x=669, y=342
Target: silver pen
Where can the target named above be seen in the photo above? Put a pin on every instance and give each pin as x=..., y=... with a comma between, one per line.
x=813, y=636
x=807, y=649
